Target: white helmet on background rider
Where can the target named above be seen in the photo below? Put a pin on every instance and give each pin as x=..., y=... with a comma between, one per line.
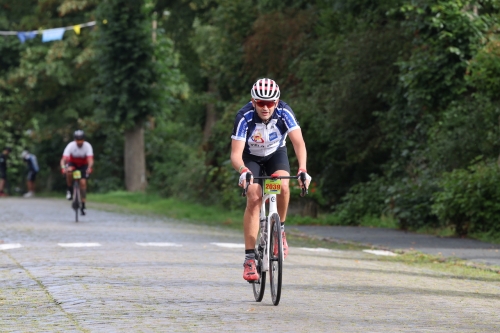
x=265, y=90
x=79, y=135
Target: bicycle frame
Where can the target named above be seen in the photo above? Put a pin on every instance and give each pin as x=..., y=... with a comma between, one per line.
x=265, y=223
x=76, y=192
x=265, y=226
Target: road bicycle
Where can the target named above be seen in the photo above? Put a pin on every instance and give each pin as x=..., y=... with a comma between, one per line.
x=77, y=196
x=269, y=254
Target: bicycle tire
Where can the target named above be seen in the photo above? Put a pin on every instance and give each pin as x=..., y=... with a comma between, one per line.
x=259, y=286
x=275, y=259
x=76, y=198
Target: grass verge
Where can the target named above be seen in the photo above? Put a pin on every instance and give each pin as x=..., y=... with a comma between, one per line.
x=153, y=204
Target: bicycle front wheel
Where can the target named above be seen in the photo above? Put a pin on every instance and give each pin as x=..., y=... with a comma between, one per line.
x=76, y=198
x=275, y=259
x=259, y=286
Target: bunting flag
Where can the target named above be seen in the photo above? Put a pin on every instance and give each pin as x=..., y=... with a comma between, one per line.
x=47, y=34
x=26, y=35
x=50, y=35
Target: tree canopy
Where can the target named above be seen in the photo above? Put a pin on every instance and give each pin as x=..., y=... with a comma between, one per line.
x=397, y=99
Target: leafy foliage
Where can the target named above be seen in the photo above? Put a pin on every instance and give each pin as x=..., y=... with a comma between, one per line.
x=363, y=199
x=470, y=199
x=125, y=52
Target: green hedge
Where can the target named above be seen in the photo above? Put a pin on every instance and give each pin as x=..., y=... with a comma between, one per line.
x=470, y=199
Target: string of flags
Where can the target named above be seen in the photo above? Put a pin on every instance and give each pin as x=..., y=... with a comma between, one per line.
x=48, y=35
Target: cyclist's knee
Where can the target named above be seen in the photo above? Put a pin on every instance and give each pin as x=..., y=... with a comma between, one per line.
x=285, y=188
x=253, y=198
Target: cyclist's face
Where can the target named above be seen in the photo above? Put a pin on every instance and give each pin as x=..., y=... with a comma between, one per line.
x=264, y=111
x=79, y=143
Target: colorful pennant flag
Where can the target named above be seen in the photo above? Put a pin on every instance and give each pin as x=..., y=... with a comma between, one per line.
x=26, y=35
x=47, y=35
x=50, y=35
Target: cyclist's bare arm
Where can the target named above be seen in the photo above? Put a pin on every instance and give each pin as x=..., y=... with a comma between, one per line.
x=237, y=147
x=90, y=163
x=63, y=163
x=300, y=147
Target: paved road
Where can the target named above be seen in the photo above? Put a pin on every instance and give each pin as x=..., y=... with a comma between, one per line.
x=126, y=282
x=469, y=249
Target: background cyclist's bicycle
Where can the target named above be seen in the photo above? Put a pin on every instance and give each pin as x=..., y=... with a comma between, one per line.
x=77, y=196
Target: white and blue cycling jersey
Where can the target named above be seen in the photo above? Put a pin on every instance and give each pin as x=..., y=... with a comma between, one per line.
x=264, y=139
x=32, y=163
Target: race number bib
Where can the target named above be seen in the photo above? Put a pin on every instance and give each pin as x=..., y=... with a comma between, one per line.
x=77, y=174
x=272, y=186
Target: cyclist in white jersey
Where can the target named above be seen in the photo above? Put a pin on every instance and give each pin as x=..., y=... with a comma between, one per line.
x=259, y=140
x=78, y=155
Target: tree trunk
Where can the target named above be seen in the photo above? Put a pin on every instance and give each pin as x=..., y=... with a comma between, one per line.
x=211, y=115
x=135, y=159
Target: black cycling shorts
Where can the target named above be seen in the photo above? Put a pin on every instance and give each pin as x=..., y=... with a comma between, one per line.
x=3, y=174
x=83, y=169
x=268, y=164
x=32, y=176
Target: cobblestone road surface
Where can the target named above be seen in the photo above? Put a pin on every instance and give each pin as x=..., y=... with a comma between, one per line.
x=123, y=281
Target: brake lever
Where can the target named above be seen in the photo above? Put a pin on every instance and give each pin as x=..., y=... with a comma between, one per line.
x=249, y=177
x=304, y=191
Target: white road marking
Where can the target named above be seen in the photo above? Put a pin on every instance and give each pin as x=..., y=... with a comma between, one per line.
x=317, y=249
x=159, y=244
x=10, y=246
x=78, y=244
x=230, y=245
x=381, y=252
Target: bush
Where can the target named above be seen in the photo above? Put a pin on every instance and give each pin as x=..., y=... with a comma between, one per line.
x=363, y=199
x=410, y=203
x=470, y=199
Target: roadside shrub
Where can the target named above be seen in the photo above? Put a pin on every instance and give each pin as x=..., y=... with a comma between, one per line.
x=363, y=199
x=175, y=163
x=410, y=203
x=470, y=199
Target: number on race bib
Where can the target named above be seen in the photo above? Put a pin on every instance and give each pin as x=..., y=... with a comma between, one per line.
x=272, y=186
x=77, y=174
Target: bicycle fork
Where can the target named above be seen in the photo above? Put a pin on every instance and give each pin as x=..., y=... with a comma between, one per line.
x=265, y=227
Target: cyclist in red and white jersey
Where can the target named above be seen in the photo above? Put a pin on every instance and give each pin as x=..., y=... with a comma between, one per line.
x=78, y=155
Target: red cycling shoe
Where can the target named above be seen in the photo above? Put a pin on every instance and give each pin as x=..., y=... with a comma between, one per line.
x=285, y=246
x=250, y=270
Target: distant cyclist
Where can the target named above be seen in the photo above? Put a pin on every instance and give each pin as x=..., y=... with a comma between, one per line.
x=259, y=138
x=78, y=155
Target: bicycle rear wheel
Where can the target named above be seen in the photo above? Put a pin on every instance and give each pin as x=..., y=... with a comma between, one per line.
x=259, y=286
x=76, y=198
x=275, y=259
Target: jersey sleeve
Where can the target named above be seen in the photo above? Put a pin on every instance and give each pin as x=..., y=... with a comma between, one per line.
x=289, y=119
x=240, y=128
x=67, y=150
x=90, y=151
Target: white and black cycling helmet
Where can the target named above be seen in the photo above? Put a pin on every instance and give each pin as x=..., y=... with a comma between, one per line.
x=79, y=135
x=265, y=90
